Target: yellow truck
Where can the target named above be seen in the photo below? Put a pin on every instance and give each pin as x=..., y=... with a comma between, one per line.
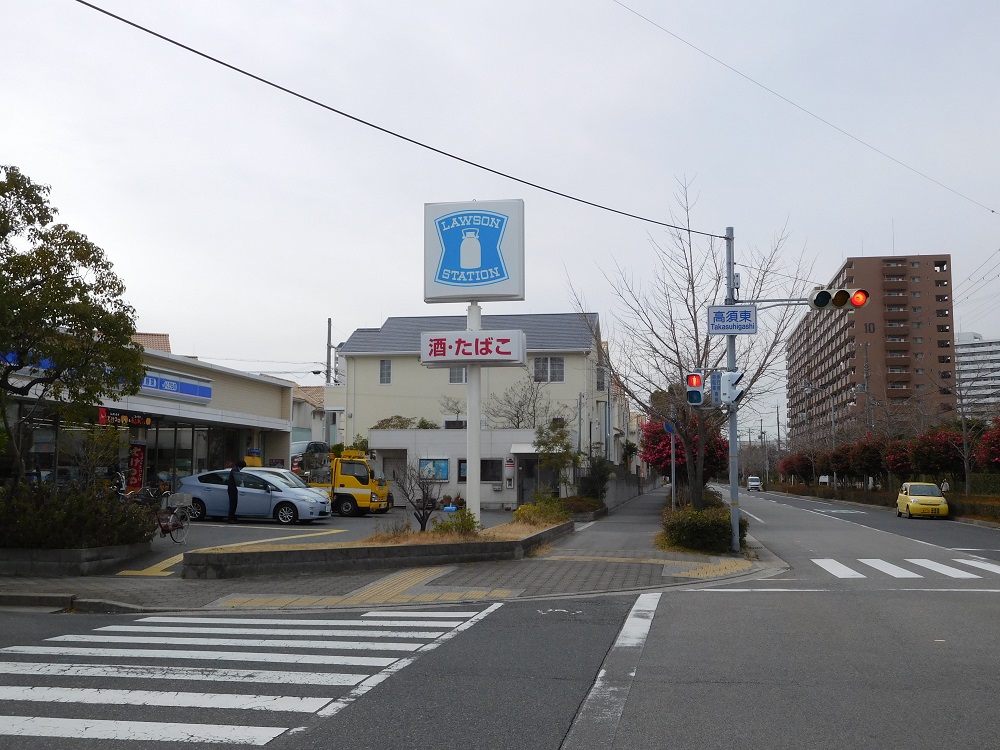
x=356, y=484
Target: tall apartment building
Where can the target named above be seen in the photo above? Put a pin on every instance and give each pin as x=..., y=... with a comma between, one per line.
x=978, y=374
x=888, y=367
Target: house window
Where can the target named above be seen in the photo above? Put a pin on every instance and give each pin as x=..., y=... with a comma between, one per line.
x=385, y=371
x=457, y=375
x=600, y=378
x=490, y=470
x=549, y=370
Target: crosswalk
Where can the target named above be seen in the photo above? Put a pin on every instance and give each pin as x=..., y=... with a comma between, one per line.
x=141, y=680
x=911, y=567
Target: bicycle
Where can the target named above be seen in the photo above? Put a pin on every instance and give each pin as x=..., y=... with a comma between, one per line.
x=172, y=520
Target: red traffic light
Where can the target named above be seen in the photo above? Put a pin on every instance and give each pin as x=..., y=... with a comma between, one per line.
x=694, y=380
x=859, y=298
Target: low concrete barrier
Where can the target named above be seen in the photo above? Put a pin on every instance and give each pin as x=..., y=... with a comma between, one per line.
x=245, y=563
x=68, y=562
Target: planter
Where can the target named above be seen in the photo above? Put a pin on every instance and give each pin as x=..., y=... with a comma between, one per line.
x=68, y=562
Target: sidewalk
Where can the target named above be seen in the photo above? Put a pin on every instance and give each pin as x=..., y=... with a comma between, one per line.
x=615, y=553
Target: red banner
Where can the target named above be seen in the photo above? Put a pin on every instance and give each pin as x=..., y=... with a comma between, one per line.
x=136, y=466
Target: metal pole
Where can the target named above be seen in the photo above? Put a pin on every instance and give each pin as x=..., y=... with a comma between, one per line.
x=673, y=471
x=734, y=463
x=473, y=428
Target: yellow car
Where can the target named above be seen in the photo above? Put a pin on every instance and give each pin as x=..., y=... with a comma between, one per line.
x=921, y=499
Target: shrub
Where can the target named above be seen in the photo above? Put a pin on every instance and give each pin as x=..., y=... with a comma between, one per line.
x=581, y=504
x=595, y=483
x=707, y=530
x=462, y=521
x=543, y=510
x=69, y=516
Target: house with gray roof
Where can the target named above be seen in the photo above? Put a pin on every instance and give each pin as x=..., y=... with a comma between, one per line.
x=380, y=376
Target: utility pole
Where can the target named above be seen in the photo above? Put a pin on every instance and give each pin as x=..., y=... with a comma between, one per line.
x=734, y=465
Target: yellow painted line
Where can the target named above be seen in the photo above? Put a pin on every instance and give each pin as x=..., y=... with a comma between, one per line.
x=160, y=569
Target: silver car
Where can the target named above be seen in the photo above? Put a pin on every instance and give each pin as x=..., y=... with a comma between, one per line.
x=287, y=477
x=260, y=496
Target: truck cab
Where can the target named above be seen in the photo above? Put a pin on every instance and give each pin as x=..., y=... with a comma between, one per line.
x=354, y=486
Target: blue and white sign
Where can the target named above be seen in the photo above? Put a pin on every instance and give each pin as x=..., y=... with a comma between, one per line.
x=724, y=320
x=182, y=387
x=715, y=379
x=474, y=251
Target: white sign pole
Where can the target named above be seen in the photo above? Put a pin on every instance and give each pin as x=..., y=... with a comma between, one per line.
x=474, y=393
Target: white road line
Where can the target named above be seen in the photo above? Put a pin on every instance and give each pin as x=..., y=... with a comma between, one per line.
x=992, y=567
x=338, y=705
x=105, y=696
x=185, y=674
x=839, y=591
x=241, y=642
x=425, y=634
x=93, y=729
x=596, y=722
x=894, y=570
x=838, y=569
x=758, y=520
x=334, y=623
x=151, y=653
x=404, y=614
x=945, y=569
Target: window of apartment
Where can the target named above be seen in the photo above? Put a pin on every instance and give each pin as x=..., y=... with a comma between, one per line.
x=945, y=374
x=920, y=386
x=919, y=371
x=915, y=279
x=916, y=309
x=918, y=339
x=490, y=470
x=940, y=266
x=549, y=370
x=895, y=277
x=944, y=359
x=457, y=375
x=943, y=313
x=385, y=371
x=944, y=329
x=915, y=264
x=941, y=282
x=916, y=324
x=940, y=297
x=914, y=294
x=944, y=343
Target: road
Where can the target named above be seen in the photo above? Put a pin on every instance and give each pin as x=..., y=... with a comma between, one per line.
x=892, y=647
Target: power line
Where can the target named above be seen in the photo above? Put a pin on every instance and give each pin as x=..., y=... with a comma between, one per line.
x=802, y=109
x=393, y=133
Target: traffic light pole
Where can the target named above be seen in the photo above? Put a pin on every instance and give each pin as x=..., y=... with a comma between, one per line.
x=734, y=466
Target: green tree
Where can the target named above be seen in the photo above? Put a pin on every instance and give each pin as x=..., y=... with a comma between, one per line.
x=65, y=330
x=555, y=450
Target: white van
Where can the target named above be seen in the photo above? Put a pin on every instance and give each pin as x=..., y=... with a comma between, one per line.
x=753, y=483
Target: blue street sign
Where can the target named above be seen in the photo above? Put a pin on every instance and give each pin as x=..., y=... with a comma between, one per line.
x=667, y=427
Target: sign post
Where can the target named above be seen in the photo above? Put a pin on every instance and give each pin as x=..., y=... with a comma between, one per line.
x=473, y=251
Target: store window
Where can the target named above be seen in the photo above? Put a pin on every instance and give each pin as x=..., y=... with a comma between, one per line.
x=490, y=470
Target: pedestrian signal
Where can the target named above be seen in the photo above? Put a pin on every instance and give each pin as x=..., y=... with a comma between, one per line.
x=695, y=389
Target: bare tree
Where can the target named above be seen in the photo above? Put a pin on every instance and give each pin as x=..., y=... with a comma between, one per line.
x=658, y=330
x=420, y=490
x=525, y=404
x=452, y=405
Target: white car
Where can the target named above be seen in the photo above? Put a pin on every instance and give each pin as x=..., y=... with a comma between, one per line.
x=753, y=483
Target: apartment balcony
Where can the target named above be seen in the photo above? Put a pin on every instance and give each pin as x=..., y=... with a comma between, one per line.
x=897, y=329
x=895, y=311
x=894, y=342
x=899, y=377
x=891, y=283
x=899, y=360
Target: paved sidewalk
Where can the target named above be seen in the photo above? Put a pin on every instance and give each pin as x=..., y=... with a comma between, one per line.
x=615, y=553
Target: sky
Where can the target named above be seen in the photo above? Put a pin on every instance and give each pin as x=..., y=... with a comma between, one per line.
x=241, y=218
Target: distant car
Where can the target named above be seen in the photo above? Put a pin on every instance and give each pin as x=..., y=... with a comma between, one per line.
x=753, y=483
x=259, y=497
x=310, y=457
x=921, y=499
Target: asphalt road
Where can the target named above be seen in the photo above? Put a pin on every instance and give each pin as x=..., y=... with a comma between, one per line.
x=857, y=636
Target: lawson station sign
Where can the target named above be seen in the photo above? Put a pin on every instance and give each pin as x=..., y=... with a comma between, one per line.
x=474, y=251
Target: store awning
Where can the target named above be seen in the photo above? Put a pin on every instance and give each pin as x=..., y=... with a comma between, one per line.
x=523, y=448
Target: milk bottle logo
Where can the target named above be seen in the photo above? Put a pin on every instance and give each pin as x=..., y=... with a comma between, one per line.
x=471, y=254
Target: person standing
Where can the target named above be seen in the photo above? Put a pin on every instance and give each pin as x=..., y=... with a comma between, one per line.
x=945, y=487
x=233, y=490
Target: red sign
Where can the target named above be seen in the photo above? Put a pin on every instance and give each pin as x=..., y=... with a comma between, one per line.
x=136, y=470
x=494, y=348
x=126, y=418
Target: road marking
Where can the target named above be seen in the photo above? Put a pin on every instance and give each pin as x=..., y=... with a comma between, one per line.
x=992, y=567
x=338, y=705
x=93, y=729
x=425, y=634
x=153, y=653
x=359, y=623
x=596, y=722
x=758, y=520
x=894, y=570
x=243, y=642
x=945, y=569
x=838, y=569
x=173, y=672
x=840, y=591
x=415, y=613
x=103, y=696
x=160, y=569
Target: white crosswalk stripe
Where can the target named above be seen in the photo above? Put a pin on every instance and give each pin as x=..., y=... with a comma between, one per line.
x=309, y=676
x=845, y=569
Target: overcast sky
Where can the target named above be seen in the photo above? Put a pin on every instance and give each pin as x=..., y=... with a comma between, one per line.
x=241, y=218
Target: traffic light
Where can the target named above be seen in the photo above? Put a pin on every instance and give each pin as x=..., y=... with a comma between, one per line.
x=695, y=389
x=731, y=393
x=838, y=299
